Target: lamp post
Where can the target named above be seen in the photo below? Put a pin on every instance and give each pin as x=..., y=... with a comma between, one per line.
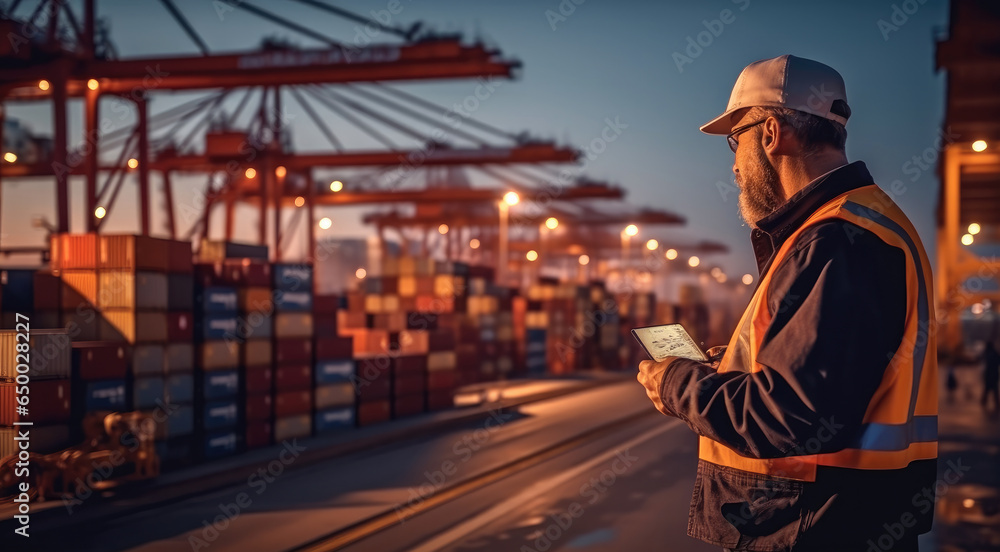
x=509, y=200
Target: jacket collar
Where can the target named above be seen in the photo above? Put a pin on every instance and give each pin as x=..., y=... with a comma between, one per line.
x=774, y=229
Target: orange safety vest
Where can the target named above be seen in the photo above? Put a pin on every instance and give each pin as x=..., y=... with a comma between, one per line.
x=900, y=424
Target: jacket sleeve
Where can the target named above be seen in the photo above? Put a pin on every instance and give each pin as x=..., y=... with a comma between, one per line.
x=838, y=302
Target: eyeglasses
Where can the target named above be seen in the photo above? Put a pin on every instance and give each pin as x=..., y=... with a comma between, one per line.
x=733, y=142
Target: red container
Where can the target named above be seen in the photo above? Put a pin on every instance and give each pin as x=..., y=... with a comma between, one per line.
x=293, y=350
x=292, y=403
x=408, y=385
x=467, y=359
x=440, y=400
x=326, y=304
x=390, y=285
x=374, y=412
x=334, y=348
x=258, y=433
x=325, y=326
x=468, y=377
x=373, y=389
x=408, y=405
x=179, y=257
x=293, y=377
x=258, y=379
x=47, y=291
x=409, y=365
x=208, y=275
x=259, y=406
x=442, y=339
x=49, y=402
x=73, y=251
x=180, y=326
x=99, y=360
x=248, y=273
x=441, y=380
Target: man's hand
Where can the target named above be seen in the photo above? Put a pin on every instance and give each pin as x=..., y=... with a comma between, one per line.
x=651, y=377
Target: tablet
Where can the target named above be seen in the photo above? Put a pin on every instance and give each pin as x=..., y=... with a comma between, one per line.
x=668, y=340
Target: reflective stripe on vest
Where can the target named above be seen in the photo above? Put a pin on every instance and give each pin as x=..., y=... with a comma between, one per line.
x=900, y=424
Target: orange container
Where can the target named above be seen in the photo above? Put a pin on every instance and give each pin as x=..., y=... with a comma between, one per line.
x=73, y=251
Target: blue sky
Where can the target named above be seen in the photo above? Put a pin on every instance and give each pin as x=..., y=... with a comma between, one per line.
x=601, y=60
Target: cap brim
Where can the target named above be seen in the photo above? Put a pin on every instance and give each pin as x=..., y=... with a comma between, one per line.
x=721, y=125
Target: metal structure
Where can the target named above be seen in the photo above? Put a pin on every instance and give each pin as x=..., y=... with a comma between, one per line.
x=969, y=201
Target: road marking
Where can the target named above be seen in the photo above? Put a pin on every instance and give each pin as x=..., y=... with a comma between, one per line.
x=537, y=489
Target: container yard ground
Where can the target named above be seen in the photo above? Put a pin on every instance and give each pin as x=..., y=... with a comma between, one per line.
x=198, y=479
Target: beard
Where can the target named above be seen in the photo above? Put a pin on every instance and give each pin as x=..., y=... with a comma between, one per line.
x=760, y=189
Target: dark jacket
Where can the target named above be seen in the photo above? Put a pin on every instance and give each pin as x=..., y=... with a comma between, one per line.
x=839, y=304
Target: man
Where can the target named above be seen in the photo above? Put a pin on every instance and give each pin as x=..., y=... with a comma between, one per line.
x=818, y=422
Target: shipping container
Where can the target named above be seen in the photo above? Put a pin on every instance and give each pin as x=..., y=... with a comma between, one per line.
x=148, y=392
x=179, y=421
x=440, y=400
x=180, y=326
x=408, y=365
x=325, y=326
x=371, y=389
x=49, y=402
x=259, y=406
x=176, y=453
x=293, y=377
x=292, y=427
x=258, y=299
x=148, y=360
x=180, y=257
x=441, y=380
x=441, y=360
x=221, y=384
x=374, y=412
x=17, y=291
x=104, y=395
x=292, y=350
x=408, y=405
x=49, y=354
x=293, y=301
x=180, y=388
x=73, y=251
x=218, y=251
x=292, y=403
x=256, y=352
x=46, y=319
x=178, y=358
x=218, y=327
x=258, y=433
x=218, y=355
x=129, y=252
x=220, y=413
x=334, y=371
x=217, y=299
x=121, y=289
x=45, y=291
x=334, y=348
x=257, y=379
x=79, y=289
x=334, y=419
x=83, y=324
x=333, y=395
x=180, y=292
x=326, y=304
x=293, y=277
x=95, y=360
x=409, y=385
x=133, y=326
x=293, y=324
x=221, y=443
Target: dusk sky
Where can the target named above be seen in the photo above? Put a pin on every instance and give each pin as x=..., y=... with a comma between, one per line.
x=604, y=61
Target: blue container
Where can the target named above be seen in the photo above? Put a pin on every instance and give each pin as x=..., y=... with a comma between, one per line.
x=180, y=420
x=220, y=414
x=221, y=384
x=147, y=392
x=104, y=395
x=221, y=443
x=293, y=277
x=334, y=371
x=218, y=300
x=219, y=326
x=293, y=300
x=180, y=388
x=17, y=290
x=534, y=335
x=337, y=418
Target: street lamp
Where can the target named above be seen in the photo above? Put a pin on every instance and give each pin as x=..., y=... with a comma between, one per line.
x=974, y=228
x=336, y=186
x=627, y=234
x=531, y=255
x=671, y=254
x=694, y=261
x=979, y=145
x=509, y=200
x=652, y=245
x=551, y=223
x=443, y=229
x=325, y=223
x=967, y=239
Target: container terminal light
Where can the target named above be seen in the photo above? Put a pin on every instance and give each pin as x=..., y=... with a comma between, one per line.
x=10, y=157
x=93, y=84
x=671, y=254
x=280, y=171
x=532, y=255
x=336, y=186
x=100, y=212
x=443, y=229
x=694, y=261
x=967, y=239
x=361, y=273
x=300, y=201
x=631, y=230
x=325, y=223
x=43, y=85
x=747, y=279
x=511, y=198
x=133, y=163
x=652, y=245
x=979, y=145
x=250, y=172
x=974, y=228
x=474, y=243
x=551, y=223
x=584, y=260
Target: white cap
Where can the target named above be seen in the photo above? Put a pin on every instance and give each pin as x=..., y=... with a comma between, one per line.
x=786, y=81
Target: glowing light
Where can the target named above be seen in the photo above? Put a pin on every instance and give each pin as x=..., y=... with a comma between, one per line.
x=671, y=254
x=652, y=245
x=43, y=84
x=694, y=261
x=361, y=273
x=325, y=223
x=969, y=502
x=978, y=309
x=280, y=171
x=336, y=186
x=551, y=223
x=511, y=198
x=979, y=145
x=974, y=228
x=715, y=272
x=300, y=201
x=133, y=163
x=100, y=212
x=631, y=230
x=747, y=279
x=443, y=229
x=531, y=255
x=584, y=260
x=474, y=243
x=93, y=84
x=722, y=278
x=967, y=239
x=251, y=172
x=10, y=157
